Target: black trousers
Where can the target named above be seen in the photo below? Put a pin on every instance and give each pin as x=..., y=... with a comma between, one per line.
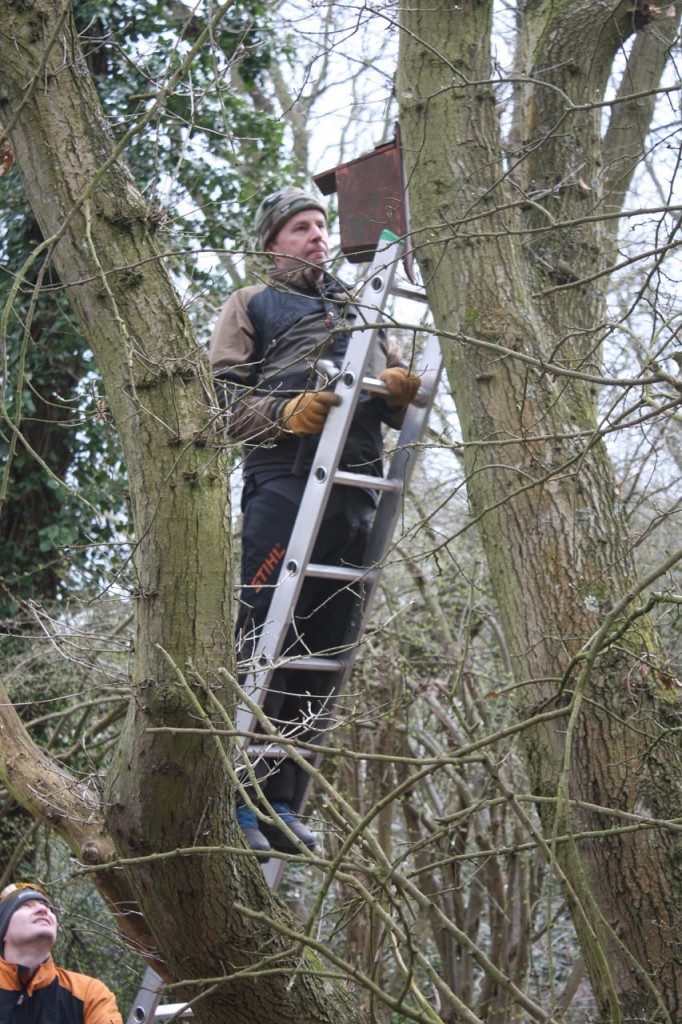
x=322, y=611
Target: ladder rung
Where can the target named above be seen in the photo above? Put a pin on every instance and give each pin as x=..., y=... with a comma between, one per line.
x=374, y=483
x=272, y=750
x=303, y=661
x=404, y=291
x=336, y=572
x=375, y=386
x=316, y=664
x=170, y=1009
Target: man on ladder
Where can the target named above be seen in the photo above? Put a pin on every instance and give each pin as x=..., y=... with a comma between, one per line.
x=276, y=350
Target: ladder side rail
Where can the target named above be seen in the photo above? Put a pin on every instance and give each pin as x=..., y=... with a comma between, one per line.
x=401, y=467
x=299, y=549
x=383, y=528
x=319, y=484
x=147, y=999
x=404, y=456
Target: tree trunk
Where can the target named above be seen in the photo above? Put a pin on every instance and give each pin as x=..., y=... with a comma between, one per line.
x=510, y=260
x=168, y=792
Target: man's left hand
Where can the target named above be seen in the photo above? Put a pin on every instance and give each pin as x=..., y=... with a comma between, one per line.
x=402, y=386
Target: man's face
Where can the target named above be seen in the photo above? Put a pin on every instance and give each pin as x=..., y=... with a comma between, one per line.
x=34, y=919
x=302, y=241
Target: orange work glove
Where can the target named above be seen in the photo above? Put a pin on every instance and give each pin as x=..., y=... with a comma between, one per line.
x=402, y=385
x=305, y=414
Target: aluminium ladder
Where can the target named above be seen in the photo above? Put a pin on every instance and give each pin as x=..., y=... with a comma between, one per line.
x=324, y=474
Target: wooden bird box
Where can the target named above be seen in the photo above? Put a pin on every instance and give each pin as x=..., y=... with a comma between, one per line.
x=372, y=197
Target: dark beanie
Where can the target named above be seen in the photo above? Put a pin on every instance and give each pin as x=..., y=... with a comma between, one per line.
x=277, y=208
x=11, y=903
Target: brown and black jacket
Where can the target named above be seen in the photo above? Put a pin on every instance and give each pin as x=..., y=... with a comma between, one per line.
x=267, y=345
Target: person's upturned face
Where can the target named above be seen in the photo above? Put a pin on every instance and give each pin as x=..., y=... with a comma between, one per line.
x=303, y=240
x=32, y=920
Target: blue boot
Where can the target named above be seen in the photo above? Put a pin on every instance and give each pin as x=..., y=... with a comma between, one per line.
x=250, y=826
x=277, y=839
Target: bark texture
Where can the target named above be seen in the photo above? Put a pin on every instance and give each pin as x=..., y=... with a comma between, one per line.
x=168, y=793
x=511, y=250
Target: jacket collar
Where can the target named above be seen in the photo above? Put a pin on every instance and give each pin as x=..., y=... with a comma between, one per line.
x=15, y=977
x=299, y=277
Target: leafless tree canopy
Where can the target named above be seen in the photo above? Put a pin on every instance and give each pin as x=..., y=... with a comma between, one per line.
x=500, y=805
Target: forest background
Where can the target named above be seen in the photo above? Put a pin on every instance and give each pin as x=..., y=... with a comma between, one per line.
x=500, y=810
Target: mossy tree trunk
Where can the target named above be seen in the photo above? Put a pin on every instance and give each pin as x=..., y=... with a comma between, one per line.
x=513, y=250
x=167, y=790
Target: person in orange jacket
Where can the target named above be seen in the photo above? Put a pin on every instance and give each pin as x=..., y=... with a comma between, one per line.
x=32, y=988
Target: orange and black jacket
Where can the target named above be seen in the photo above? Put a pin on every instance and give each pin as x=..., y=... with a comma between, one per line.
x=51, y=995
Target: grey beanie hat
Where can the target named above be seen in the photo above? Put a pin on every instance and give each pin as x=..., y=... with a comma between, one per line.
x=12, y=902
x=277, y=208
